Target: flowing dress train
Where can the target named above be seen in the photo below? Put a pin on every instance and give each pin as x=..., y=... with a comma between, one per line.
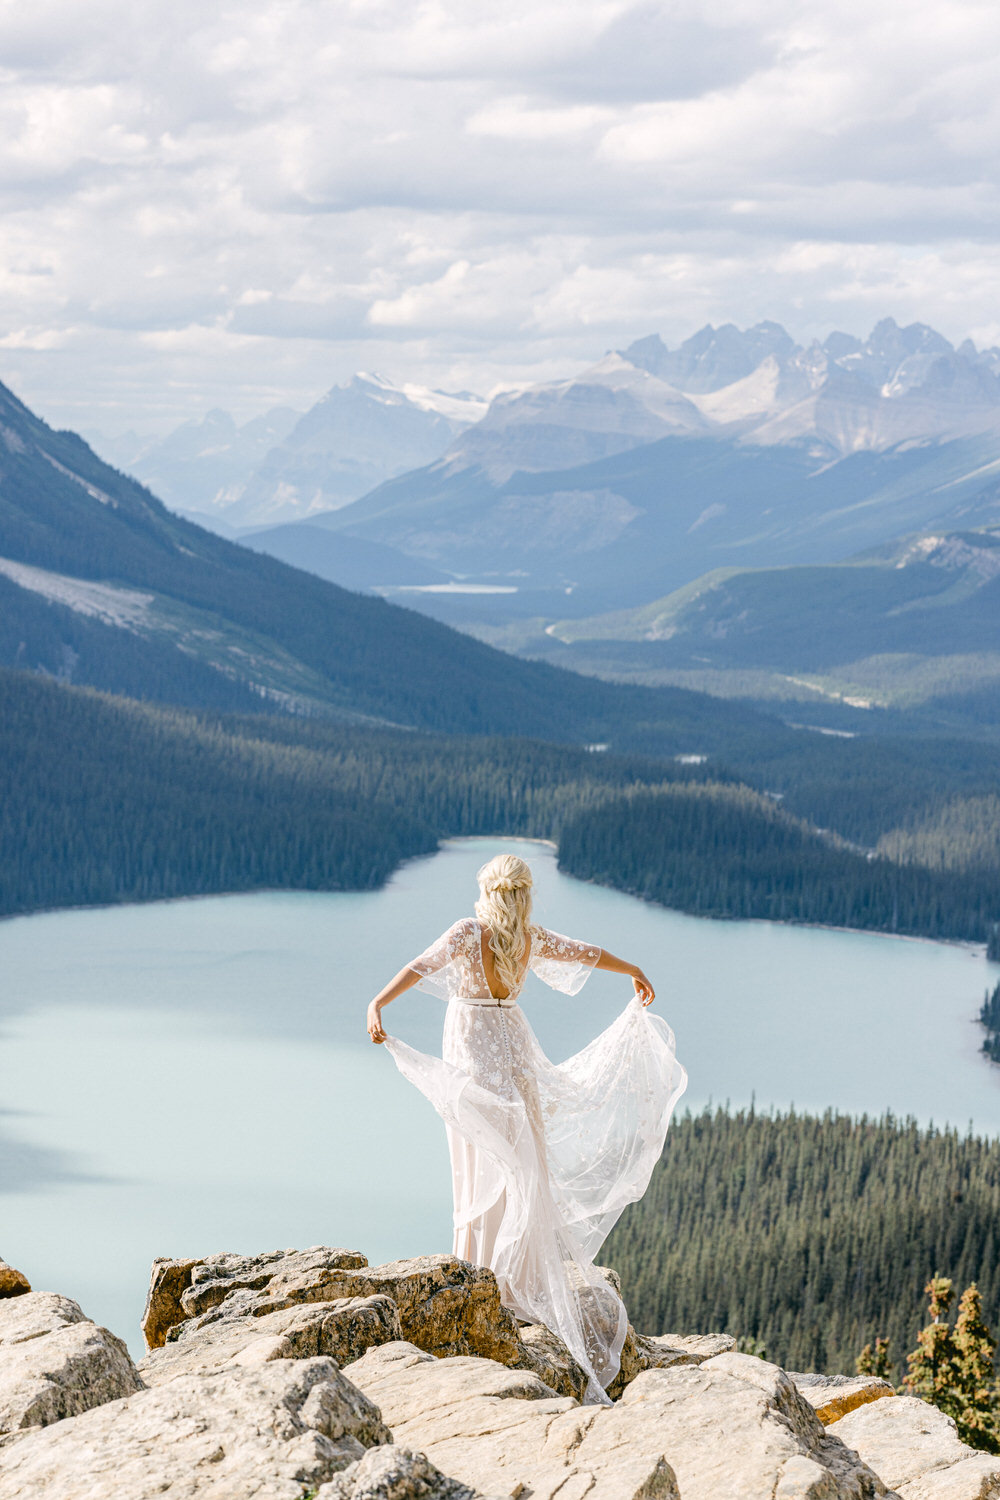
x=544, y=1156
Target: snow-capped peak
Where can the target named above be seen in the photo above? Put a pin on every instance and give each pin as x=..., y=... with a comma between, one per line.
x=460, y=407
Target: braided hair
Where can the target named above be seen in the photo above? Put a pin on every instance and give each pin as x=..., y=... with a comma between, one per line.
x=504, y=908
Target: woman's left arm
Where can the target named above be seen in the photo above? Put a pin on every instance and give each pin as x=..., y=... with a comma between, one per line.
x=643, y=988
x=404, y=980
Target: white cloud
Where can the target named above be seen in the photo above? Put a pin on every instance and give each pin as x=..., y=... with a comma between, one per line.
x=237, y=204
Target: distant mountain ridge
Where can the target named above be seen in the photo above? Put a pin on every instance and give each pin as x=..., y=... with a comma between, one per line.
x=758, y=386
x=356, y=437
x=286, y=465
x=846, y=394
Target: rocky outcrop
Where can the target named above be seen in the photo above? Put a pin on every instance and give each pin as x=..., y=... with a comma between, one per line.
x=168, y=1280
x=732, y=1426
x=446, y=1305
x=182, y=1289
x=272, y=1433
x=640, y=1354
x=54, y=1362
x=918, y=1453
x=312, y=1373
x=342, y=1330
x=833, y=1396
x=12, y=1283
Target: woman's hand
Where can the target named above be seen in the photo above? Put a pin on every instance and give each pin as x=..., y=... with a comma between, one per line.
x=643, y=988
x=374, y=1022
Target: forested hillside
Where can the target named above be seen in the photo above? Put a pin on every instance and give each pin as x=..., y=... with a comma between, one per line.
x=812, y=1235
x=103, y=799
x=728, y=852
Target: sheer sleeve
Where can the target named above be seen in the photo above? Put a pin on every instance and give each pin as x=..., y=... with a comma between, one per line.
x=444, y=966
x=563, y=963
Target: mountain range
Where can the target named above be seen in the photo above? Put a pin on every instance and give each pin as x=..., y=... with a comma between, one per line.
x=287, y=465
x=655, y=466
x=757, y=387
x=724, y=487
x=737, y=462
x=102, y=585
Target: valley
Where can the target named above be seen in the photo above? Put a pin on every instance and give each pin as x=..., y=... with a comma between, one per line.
x=735, y=806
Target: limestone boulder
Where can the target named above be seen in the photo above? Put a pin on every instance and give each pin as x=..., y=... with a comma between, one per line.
x=394, y=1474
x=731, y=1427
x=916, y=1451
x=833, y=1396
x=343, y=1330
x=700, y=1346
x=545, y=1354
x=462, y=1412
x=640, y=1353
x=12, y=1283
x=168, y=1280
x=182, y=1289
x=272, y=1432
x=55, y=1362
x=446, y=1306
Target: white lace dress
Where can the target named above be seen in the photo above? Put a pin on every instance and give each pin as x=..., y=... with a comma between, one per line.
x=544, y=1156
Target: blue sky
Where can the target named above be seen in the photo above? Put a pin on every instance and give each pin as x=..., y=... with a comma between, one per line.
x=240, y=205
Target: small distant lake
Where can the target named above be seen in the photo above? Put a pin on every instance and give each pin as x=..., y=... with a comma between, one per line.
x=194, y=1076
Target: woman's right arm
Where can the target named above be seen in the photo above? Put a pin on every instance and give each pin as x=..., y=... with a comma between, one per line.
x=643, y=988
x=404, y=980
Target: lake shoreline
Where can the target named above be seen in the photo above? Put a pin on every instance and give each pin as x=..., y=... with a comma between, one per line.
x=975, y=950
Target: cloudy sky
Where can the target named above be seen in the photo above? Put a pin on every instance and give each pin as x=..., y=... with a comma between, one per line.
x=240, y=205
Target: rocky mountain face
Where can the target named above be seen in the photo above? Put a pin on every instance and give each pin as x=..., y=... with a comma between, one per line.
x=842, y=396
x=295, y=1374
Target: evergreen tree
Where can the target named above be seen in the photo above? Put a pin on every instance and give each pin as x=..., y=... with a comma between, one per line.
x=980, y=1420
x=989, y=1017
x=877, y=1361
x=935, y=1365
x=952, y=1367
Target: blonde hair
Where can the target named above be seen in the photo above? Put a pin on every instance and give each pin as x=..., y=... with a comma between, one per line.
x=504, y=908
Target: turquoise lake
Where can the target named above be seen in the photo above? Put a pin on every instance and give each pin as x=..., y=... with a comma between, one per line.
x=194, y=1076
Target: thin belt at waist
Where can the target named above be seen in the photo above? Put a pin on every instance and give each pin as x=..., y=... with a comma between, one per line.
x=491, y=1004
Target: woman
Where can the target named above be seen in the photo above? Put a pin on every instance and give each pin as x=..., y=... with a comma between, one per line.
x=544, y=1157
